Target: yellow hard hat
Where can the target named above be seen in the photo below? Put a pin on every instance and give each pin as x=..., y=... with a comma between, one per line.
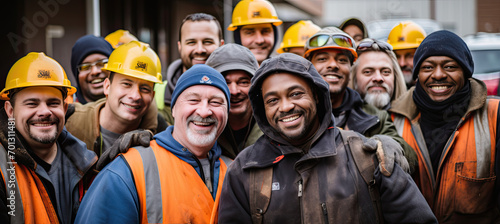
x=297, y=34
x=119, y=37
x=135, y=59
x=406, y=35
x=249, y=12
x=36, y=69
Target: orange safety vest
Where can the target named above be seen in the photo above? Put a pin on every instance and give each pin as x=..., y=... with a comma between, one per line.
x=169, y=189
x=465, y=177
x=27, y=199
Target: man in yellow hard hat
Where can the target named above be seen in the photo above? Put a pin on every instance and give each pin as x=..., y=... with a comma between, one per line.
x=45, y=169
x=254, y=24
x=296, y=36
x=134, y=69
x=405, y=38
x=120, y=37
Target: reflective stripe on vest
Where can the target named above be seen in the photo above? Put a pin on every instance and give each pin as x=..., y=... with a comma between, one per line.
x=28, y=189
x=19, y=214
x=169, y=189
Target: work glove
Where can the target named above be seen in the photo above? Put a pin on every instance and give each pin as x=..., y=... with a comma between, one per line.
x=388, y=151
x=123, y=143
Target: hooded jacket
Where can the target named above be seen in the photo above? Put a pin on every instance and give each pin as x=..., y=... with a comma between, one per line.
x=33, y=189
x=84, y=47
x=116, y=189
x=320, y=184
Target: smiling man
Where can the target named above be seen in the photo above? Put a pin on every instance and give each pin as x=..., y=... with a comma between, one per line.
x=238, y=65
x=255, y=24
x=45, y=170
x=453, y=127
x=129, y=91
x=177, y=178
x=88, y=57
x=301, y=170
x=199, y=35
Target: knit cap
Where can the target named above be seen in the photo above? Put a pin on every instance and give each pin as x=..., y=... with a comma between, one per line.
x=230, y=57
x=444, y=43
x=200, y=74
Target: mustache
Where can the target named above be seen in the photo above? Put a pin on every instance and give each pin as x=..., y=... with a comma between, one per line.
x=196, y=118
x=288, y=113
x=383, y=85
x=51, y=119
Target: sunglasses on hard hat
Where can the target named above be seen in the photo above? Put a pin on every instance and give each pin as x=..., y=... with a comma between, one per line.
x=87, y=66
x=320, y=40
x=373, y=45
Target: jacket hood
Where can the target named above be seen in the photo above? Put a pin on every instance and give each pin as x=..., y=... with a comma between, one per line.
x=83, y=47
x=293, y=64
x=357, y=22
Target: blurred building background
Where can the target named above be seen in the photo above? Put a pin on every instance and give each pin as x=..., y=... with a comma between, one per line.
x=53, y=26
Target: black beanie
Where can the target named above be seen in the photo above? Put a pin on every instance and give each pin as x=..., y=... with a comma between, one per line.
x=84, y=47
x=444, y=43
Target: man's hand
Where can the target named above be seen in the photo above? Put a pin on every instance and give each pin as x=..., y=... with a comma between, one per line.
x=123, y=143
x=388, y=151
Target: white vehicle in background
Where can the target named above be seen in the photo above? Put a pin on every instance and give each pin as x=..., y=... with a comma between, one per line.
x=380, y=29
x=485, y=49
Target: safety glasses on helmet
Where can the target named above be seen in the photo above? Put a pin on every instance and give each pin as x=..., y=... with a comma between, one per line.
x=320, y=40
x=373, y=45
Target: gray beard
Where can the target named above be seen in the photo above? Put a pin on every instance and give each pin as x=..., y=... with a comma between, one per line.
x=379, y=100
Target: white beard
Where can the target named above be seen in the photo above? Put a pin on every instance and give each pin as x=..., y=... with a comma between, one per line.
x=379, y=100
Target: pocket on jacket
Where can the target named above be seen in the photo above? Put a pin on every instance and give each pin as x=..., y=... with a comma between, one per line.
x=472, y=195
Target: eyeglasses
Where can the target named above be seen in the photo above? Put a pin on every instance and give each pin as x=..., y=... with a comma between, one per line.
x=88, y=66
x=321, y=40
x=373, y=45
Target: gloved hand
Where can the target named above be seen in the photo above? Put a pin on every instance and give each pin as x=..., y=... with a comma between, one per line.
x=123, y=143
x=388, y=151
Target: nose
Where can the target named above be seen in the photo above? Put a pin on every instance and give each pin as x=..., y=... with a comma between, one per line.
x=233, y=88
x=134, y=93
x=43, y=110
x=199, y=48
x=438, y=73
x=377, y=77
x=332, y=63
x=204, y=109
x=286, y=105
x=95, y=70
x=259, y=39
x=402, y=61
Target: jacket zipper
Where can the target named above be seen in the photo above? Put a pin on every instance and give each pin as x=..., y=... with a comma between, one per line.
x=300, y=201
x=325, y=212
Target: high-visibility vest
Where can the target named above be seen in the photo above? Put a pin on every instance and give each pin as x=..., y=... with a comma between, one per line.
x=465, y=178
x=27, y=199
x=169, y=189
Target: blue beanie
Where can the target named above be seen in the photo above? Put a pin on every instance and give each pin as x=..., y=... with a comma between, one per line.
x=200, y=74
x=444, y=43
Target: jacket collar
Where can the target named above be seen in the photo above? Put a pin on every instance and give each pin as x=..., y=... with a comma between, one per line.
x=407, y=107
x=266, y=152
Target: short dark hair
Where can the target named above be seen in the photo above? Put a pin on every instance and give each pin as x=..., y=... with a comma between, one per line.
x=200, y=17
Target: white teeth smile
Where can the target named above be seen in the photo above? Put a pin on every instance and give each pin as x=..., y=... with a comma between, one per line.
x=291, y=118
x=201, y=123
x=42, y=125
x=439, y=87
x=132, y=107
x=95, y=81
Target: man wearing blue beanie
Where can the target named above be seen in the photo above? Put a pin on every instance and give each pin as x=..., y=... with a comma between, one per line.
x=451, y=123
x=178, y=177
x=88, y=56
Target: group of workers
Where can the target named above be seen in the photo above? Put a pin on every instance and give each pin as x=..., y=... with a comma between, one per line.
x=329, y=127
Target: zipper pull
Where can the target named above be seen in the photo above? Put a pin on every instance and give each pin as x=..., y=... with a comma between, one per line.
x=300, y=188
